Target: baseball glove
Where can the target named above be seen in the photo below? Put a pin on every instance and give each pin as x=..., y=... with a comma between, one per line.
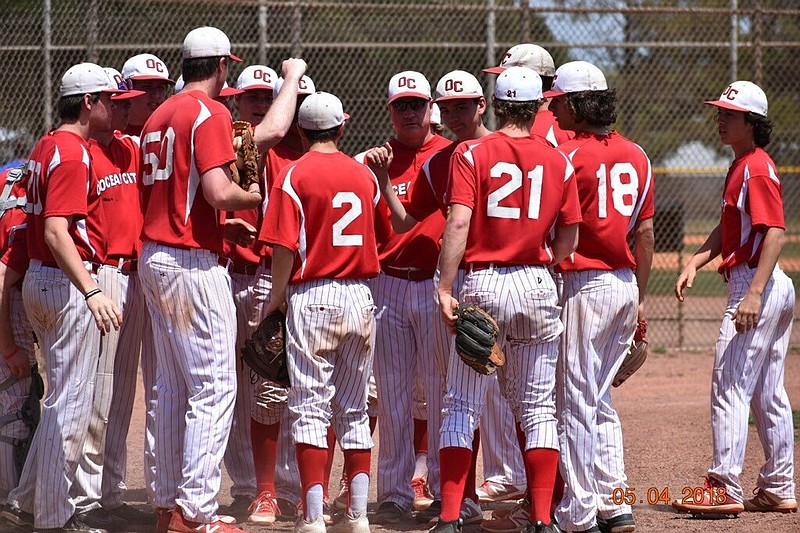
x=265, y=350
x=636, y=356
x=476, y=339
x=246, y=168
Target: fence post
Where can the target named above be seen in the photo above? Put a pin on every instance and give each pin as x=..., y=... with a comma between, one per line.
x=490, y=61
x=48, y=65
x=734, y=51
x=757, y=51
x=262, y=32
x=297, y=30
x=91, y=40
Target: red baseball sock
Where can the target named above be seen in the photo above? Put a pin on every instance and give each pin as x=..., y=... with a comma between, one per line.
x=541, y=465
x=356, y=462
x=265, y=452
x=454, y=463
x=420, y=436
x=331, y=440
x=311, y=463
x=558, y=492
x=469, y=487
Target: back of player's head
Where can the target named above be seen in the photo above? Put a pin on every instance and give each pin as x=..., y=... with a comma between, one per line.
x=528, y=55
x=321, y=116
x=517, y=96
x=586, y=90
x=202, y=49
x=82, y=79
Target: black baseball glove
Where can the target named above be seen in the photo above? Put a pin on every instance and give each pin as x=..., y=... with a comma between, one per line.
x=476, y=339
x=265, y=350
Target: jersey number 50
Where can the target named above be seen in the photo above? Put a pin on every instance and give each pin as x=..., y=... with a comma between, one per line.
x=157, y=157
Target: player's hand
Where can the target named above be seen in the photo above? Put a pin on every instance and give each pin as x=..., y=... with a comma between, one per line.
x=18, y=363
x=239, y=232
x=293, y=67
x=448, y=306
x=685, y=281
x=379, y=159
x=105, y=312
x=747, y=314
x=275, y=305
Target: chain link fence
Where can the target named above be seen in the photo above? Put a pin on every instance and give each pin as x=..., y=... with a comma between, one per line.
x=664, y=59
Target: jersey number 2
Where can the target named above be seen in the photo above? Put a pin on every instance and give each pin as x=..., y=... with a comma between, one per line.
x=339, y=238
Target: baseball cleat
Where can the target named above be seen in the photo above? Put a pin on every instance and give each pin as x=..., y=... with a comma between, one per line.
x=17, y=516
x=453, y=526
x=263, y=510
x=765, y=502
x=471, y=513
x=492, y=491
x=623, y=523
x=132, y=514
x=712, y=500
x=179, y=524
x=315, y=526
x=422, y=497
x=541, y=527
x=351, y=524
x=101, y=519
x=390, y=513
x=509, y=520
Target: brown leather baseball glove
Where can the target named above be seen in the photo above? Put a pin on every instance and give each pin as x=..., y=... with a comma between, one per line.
x=637, y=354
x=246, y=169
x=265, y=350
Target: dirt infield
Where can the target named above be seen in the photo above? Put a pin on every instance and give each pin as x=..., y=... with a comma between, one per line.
x=666, y=423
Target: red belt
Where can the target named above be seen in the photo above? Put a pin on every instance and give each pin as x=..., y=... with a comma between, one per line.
x=409, y=273
x=248, y=269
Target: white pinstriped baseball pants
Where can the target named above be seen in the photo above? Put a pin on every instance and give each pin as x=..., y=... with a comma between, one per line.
x=330, y=336
x=404, y=344
x=524, y=303
x=191, y=306
x=70, y=343
x=239, y=453
x=748, y=375
x=12, y=398
x=599, y=319
x=270, y=403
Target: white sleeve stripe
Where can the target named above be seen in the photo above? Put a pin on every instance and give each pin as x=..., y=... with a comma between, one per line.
x=302, y=244
x=643, y=196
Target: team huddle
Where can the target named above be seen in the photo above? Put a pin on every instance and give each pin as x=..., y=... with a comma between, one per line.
x=126, y=238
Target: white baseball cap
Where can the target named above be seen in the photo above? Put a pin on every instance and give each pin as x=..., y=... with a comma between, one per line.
x=528, y=55
x=207, y=41
x=89, y=78
x=257, y=77
x=743, y=96
x=409, y=84
x=117, y=77
x=457, y=85
x=436, y=114
x=145, y=67
x=321, y=111
x=575, y=77
x=304, y=86
x=518, y=84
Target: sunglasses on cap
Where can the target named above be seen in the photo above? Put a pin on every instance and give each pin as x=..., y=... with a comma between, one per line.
x=414, y=104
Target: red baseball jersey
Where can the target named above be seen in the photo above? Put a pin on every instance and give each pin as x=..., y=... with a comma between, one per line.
x=428, y=195
x=418, y=248
x=546, y=126
x=60, y=184
x=503, y=180
x=13, y=245
x=615, y=187
x=278, y=157
x=185, y=137
x=324, y=209
x=751, y=203
x=115, y=170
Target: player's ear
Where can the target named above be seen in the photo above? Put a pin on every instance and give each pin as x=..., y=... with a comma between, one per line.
x=481, y=105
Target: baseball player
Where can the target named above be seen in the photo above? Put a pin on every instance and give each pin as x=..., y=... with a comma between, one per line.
x=65, y=226
x=459, y=97
x=186, y=157
x=496, y=188
x=321, y=223
x=754, y=336
x=540, y=61
x=254, y=104
x=145, y=72
x=115, y=164
x=402, y=294
x=16, y=335
x=604, y=286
